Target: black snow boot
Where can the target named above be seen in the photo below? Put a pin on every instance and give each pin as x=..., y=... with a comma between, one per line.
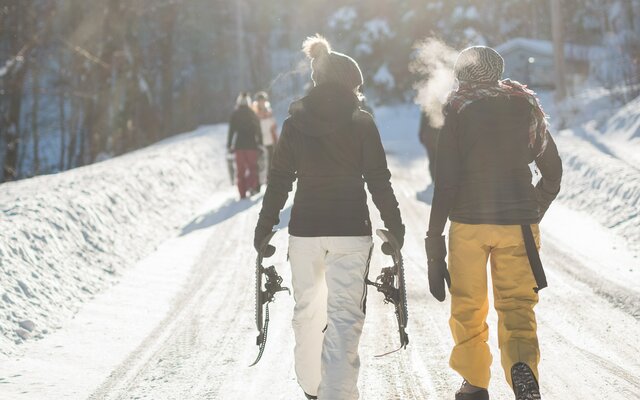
x=463, y=394
x=525, y=385
x=308, y=396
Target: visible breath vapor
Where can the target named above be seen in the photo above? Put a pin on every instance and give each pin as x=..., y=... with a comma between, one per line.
x=285, y=86
x=434, y=66
x=301, y=68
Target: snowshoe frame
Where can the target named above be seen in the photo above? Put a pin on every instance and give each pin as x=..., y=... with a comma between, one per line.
x=272, y=285
x=391, y=284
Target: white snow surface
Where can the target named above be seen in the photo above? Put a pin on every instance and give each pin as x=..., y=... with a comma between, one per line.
x=625, y=123
x=65, y=237
x=601, y=159
x=179, y=325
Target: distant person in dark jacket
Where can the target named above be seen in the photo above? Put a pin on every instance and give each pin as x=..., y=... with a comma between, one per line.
x=332, y=148
x=493, y=130
x=428, y=136
x=244, y=139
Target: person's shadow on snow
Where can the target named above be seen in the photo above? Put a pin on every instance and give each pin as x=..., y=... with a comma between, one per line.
x=221, y=214
x=426, y=196
x=228, y=210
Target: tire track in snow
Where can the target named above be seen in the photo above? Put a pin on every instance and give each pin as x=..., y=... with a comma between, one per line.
x=186, y=363
x=623, y=298
x=613, y=306
x=151, y=350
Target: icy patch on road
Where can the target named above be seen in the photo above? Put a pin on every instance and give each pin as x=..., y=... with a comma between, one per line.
x=65, y=237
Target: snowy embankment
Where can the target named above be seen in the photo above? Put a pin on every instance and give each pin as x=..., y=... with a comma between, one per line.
x=601, y=159
x=602, y=185
x=65, y=237
x=168, y=329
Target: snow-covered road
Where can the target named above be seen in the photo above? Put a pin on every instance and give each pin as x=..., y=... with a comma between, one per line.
x=180, y=325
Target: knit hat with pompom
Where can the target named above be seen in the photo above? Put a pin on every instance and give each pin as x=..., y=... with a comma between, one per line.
x=328, y=66
x=479, y=64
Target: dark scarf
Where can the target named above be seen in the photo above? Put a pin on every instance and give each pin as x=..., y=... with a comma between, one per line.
x=469, y=92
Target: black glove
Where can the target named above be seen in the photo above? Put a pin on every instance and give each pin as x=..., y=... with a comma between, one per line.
x=261, y=232
x=397, y=233
x=437, y=266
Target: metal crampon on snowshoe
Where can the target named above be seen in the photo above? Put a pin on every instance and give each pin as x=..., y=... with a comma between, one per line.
x=391, y=284
x=264, y=296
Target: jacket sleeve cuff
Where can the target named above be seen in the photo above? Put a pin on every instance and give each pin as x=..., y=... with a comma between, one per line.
x=435, y=247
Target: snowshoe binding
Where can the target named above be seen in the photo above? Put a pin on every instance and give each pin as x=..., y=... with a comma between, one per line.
x=525, y=385
x=272, y=285
x=391, y=284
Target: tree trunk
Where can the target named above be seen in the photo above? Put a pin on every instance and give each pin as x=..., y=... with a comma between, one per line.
x=35, y=135
x=168, y=18
x=241, y=52
x=74, y=131
x=63, y=130
x=12, y=126
x=14, y=77
x=558, y=49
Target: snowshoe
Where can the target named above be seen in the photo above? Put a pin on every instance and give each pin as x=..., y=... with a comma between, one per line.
x=525, y=385
x=308, y=396
x=391, y=284
x=272, y=285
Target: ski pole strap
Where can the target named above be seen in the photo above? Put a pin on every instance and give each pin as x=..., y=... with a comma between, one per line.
x=534, y=258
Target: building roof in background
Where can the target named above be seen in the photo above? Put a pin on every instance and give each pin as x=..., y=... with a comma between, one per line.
x=545, y=48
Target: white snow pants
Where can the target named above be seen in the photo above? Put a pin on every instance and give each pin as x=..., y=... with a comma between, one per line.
x=330, y=292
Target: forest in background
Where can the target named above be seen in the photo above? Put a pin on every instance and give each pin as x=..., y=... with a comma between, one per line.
x=86, y=80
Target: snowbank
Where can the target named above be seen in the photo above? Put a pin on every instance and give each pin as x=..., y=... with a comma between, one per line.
x=65, y=237
x=601, y=159
x=625, y=123
x=601, y=185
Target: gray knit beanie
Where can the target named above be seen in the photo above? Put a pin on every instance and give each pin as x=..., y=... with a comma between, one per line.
x=479, y=64
x=330, y=66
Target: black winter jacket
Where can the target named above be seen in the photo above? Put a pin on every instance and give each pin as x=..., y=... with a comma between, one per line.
x=332, y=148
x=244, y=130
x=482, y=171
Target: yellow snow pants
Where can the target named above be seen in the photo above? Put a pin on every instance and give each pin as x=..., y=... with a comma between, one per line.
x=470, y=246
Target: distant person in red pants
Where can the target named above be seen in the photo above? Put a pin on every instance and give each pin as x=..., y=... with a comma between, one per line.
x=244, y=139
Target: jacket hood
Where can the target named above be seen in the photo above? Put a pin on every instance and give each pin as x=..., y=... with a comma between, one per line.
x=324, y=111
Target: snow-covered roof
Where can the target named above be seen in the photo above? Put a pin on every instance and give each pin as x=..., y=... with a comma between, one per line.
x=545, y=47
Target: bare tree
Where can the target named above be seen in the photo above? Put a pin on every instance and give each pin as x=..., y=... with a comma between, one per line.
x=168, y=16
x=35, y=105
x=13, y=81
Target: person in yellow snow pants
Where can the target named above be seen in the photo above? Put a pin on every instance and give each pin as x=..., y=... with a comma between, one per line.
x=494, y=129
x=470, y=247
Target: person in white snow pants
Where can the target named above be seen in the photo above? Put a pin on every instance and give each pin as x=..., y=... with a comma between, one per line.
x=332, y=148
x=329, y=290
